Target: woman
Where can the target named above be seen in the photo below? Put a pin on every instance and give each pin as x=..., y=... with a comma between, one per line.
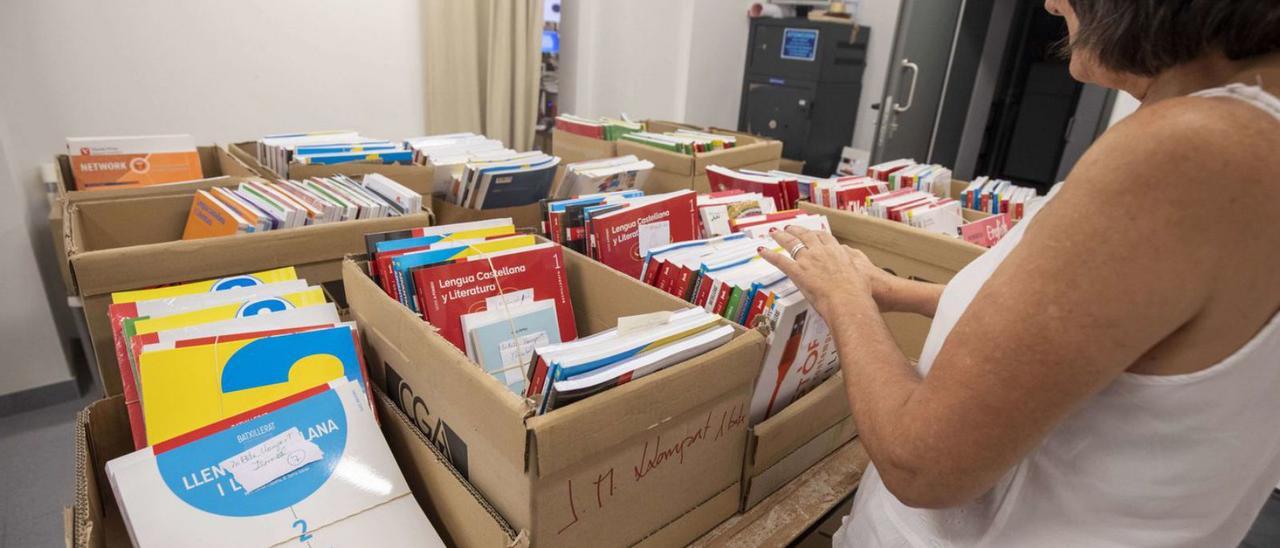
x=1108, y=375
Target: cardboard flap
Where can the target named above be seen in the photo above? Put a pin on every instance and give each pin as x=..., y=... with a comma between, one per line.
x=103, y=429
x=230, y=165
x=571, y=147
x=461, y=515
x=185, y=260
x=566, y=436
x=459, y=384
x=798, y=423
x=526, y=217
x=928, y=247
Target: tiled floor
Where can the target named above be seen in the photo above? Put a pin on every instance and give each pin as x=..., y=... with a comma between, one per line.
x=37, y=465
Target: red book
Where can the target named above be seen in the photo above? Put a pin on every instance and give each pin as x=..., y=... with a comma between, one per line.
x=757, y=307
x=449, y=291
x=621, y=237
x=784, y=192
x=594, y=131
x=704, y=291
x=986, y=232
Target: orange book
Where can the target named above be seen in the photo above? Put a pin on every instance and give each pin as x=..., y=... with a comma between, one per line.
x=209, y=218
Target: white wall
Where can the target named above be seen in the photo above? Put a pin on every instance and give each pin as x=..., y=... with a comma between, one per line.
x=683, y=61
x=219, y=70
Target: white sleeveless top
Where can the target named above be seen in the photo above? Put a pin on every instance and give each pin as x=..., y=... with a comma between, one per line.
x=1179, y=460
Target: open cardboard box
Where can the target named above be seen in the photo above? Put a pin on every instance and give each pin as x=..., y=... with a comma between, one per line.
x=458, y=512
x=672, y=171
x=657, y=460
x=527, y=218
x=416, y=177
x=214, y=162
x=135, y=243
x=571, y=147
x=785, y=445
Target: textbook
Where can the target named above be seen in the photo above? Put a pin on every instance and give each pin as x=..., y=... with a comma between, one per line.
x=620, y=238
x=986, y=232
x=719, y=209
x=565, y=221
x=311, y=469
x=607, y=129
x=502, y=338
x=401, y=266
x=488, y=280
x=504, y=181
x=800, y=355
x=256, y=206
x=614, y=348
x=192, y=386
x=683, y=141
x=218, y=284
x=783, y=191
x=607, y=175
x=114, y=162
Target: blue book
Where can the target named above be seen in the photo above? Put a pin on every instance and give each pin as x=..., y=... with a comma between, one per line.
x=502, y=338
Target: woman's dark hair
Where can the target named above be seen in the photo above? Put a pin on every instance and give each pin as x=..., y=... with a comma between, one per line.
x=1148, y=36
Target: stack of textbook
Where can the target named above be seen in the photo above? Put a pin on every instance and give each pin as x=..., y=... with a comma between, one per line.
x=726, y=277
x=683, y=141
x=503, y=179
x=258, y=206
x=997, y=196
x=277, y=151
x=249, y=407
x=605, y=129
x=906, y=173
x=784, y=190
x=561, y=374
x=492, y=293
x=718, y=211
x=448, y=154
x=606, y=175
x=618, y=228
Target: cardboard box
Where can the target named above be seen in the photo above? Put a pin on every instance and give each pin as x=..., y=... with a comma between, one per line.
x=214, y=161
x=791, y=166
x=527, y=218
x=787, y=444
x=102, y=434
x=135, y=243
x=674, y=171
x=416, y=177
x=571, y=147
x=657, y=459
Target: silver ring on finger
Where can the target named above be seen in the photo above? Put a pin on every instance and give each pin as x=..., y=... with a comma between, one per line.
x=795, y=249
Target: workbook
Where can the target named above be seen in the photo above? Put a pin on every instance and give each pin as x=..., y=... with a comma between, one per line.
x=607, y=175
x=310, y=469
x=622, y=235
x=501, y=339
x=606, y=129
x=117, y=162
x=197, y=384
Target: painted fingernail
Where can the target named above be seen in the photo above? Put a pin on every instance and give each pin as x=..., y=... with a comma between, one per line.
x=759, y=249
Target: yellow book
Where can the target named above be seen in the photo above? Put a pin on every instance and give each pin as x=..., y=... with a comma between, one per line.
x=308, y=297
x=189, y=387
x=242, y=280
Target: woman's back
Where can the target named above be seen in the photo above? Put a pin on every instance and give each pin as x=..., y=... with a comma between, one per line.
x=1183, y=448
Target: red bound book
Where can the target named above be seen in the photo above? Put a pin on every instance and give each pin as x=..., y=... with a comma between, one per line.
x=617, y=234
x=449, y=291
x=704, y=290
x=592, y=131
x=722, y=298
x=784, y=192
x=757, y=307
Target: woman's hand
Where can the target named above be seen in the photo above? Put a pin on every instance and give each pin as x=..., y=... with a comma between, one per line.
x=826, y=271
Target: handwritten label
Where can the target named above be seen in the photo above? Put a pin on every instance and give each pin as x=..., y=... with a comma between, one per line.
x=513, y=298
x=516, y=354
x=653, y=235
x=654, y=454
x=279, y=455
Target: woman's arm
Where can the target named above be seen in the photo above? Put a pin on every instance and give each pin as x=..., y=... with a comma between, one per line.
x=1125, y=256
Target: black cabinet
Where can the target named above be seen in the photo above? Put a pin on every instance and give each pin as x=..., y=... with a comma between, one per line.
x=801, y=86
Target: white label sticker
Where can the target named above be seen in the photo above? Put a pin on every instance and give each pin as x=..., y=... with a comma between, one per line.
x=629, y=324
x=653, y=235
x=513, y=298
x=516, y=354
x=273, y=458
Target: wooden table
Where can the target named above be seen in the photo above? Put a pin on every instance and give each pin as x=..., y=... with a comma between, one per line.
x=786, y=515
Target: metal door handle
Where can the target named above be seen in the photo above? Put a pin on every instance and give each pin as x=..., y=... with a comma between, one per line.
x=911, y=91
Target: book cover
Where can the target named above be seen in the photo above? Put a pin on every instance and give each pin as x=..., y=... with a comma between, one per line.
x=210, y=218
x=484, y=282
x=310, y=469
x=986, y=232
x=502, y=340
x=800, y=354
x=403, y=264
x=189, y=387
x=624, y=237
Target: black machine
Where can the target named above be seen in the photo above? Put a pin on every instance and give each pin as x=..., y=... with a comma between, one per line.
x=801, y=86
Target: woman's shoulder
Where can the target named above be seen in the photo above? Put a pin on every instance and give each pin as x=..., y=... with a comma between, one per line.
x=1193, y=141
